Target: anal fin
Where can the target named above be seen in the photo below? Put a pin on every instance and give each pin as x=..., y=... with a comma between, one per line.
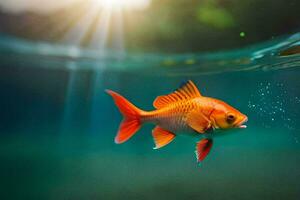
x=161, y=137
x=203, y=148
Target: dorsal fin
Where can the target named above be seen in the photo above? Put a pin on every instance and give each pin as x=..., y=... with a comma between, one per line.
x=188, y=90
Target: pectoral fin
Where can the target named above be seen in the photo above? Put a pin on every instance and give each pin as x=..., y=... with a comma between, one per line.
x=203, y=148
x=197, y=121
x=161, y=137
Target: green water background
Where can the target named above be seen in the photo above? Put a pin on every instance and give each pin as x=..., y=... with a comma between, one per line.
x=58, y=125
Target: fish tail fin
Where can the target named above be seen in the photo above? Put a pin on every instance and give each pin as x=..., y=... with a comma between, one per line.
x=132, y=117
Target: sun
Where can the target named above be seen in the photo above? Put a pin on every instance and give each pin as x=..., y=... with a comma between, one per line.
x=122, y=4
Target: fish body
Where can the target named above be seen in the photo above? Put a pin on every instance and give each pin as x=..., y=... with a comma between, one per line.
x=174, y=116
x=183, y=111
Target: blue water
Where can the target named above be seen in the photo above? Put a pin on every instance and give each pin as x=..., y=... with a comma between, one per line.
x=58, y=126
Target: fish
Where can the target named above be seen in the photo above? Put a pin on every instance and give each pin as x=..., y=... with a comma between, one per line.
x=184, y=111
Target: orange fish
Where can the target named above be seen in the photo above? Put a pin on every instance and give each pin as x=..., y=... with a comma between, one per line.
x=183, y=111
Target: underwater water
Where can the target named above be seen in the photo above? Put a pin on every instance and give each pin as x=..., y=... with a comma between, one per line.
x=58, y=125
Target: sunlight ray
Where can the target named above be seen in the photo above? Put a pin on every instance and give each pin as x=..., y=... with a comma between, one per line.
x=65, y=22
x=118, y=32
x=99, y=39
x=99, y=42
x=77, y=33
x=70, y=97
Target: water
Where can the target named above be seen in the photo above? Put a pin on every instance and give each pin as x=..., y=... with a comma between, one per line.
x=57, y=124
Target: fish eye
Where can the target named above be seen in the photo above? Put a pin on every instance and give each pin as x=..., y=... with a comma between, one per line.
x=230, y=118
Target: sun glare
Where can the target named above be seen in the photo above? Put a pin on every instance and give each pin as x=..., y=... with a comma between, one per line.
x=128, y=4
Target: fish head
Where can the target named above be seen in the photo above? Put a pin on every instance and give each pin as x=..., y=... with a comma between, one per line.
x=225, y=116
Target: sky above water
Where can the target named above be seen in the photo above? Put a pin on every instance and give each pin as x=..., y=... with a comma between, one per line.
x=46, y=6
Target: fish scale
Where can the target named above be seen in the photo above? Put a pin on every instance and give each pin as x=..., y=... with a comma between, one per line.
x=173, y=117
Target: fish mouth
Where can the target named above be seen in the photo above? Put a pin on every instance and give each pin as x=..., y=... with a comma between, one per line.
x=241, y=123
